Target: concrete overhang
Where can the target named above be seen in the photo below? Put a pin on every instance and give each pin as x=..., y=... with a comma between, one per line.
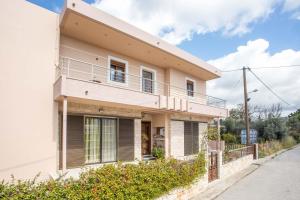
x=89, y=24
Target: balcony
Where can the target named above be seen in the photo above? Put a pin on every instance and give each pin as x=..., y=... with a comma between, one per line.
x=83, y=80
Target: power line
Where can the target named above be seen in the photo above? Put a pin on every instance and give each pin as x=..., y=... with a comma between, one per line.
x=263, y=67
x=268, y=87
x=275, y=67
x=236, y=84
x=232, y=70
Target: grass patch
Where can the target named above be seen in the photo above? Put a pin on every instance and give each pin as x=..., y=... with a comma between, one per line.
x=270, y=147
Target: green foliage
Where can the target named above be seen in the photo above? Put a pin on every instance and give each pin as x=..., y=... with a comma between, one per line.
x=288, y=142
x=270, y=147
x=229, y=138
x=294, y=125
x=158, y=152
x=212, y=133
x=143, y=181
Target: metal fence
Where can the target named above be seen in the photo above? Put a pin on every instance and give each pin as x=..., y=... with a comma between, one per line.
x=231, y=154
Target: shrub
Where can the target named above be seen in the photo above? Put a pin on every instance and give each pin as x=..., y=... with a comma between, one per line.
x=229, y=138
x=212, y=133
x=270, y=147
x=288, y=142
x=158, y=152
x=143, y=181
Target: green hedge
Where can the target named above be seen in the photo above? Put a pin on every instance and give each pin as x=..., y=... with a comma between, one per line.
x=142, y=181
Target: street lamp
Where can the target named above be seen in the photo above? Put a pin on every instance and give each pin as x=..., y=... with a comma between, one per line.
x=255, y=90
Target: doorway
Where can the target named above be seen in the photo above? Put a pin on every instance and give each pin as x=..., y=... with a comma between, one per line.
x=146, y=138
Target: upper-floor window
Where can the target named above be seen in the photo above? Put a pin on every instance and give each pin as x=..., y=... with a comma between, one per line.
x=190, y=88
x=117, y=70
x=148, y=80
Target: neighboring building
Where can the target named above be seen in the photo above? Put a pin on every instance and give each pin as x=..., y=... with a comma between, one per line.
x=84, y=88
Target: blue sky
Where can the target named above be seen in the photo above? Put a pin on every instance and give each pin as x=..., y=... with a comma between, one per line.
x=280, y=29
x=227, y=34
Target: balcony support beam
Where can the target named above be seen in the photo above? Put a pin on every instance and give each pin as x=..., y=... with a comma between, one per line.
x=64, y=134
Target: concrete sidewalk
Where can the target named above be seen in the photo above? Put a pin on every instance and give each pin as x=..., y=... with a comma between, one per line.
x=217, y=187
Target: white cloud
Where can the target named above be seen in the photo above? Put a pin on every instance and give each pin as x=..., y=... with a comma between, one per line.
x=177, y=20
x=292, y=6
x=284, y=81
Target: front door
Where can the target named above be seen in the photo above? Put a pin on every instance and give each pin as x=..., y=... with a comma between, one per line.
x=146, y=138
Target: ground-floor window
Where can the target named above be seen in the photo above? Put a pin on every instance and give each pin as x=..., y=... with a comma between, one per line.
x=97, y=139
x=100, y=136
x=191, y=138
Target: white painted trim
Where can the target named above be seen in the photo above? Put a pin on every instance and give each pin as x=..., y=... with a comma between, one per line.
x=154, y=78
x=109, y=58
x=194, y=82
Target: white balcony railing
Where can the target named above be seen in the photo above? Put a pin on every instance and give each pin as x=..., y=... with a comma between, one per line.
x=81, y=70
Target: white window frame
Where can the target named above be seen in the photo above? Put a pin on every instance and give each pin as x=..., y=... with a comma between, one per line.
x=194, y=82
x=154, y=79
x=109, y=71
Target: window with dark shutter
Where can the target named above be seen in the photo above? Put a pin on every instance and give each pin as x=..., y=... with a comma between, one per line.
x=75, y=143
x=191, y=138
x=126, y=140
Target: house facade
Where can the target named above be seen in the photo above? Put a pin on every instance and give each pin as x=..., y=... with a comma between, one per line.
x=84, y=88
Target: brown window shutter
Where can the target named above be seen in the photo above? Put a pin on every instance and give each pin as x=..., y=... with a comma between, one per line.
x=126, y=140
x=188, y=138
x=75, y=141
x=195, y=137
x=191, y=138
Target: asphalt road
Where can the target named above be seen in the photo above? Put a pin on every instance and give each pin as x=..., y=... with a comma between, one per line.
x=277, y=179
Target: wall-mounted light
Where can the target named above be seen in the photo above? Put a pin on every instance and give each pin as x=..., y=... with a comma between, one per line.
x=86, y=92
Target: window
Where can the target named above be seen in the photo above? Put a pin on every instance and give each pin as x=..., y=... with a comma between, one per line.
x=117, y=71
x=190, y=88
x=147, y=81
x=191, y=138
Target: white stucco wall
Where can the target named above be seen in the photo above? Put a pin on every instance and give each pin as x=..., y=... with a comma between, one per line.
x=177, y=139
x=137, y=139
x=233, y=167
x=29, y=41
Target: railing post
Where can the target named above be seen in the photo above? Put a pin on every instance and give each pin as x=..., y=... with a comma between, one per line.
x=255, y=151
x=68, y=68
x=92, y=78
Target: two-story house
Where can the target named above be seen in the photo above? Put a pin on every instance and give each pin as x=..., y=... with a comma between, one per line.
x=84, y=88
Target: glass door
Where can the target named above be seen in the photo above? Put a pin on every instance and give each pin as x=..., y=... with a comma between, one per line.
x=109, y=140
x=92, y=139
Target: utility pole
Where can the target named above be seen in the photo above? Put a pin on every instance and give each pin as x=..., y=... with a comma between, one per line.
x=246, y=106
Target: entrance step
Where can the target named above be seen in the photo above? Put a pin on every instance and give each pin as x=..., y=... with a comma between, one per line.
x=148, y=157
